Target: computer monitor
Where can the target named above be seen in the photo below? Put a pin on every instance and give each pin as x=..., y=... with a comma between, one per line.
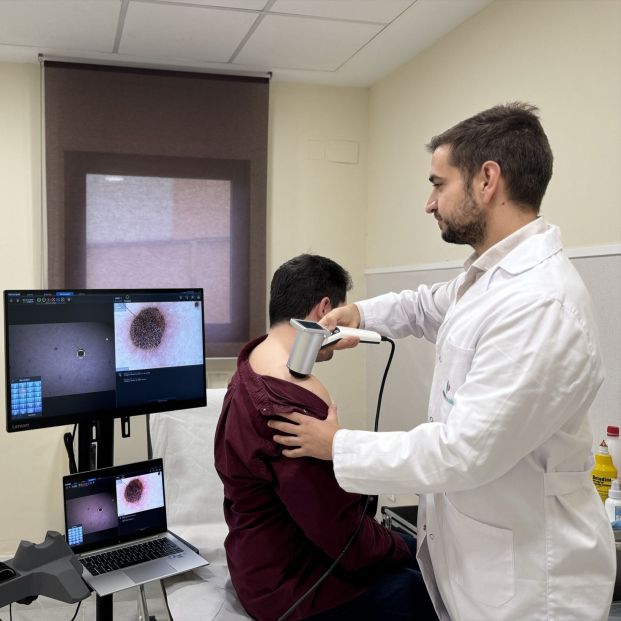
x=86, y=355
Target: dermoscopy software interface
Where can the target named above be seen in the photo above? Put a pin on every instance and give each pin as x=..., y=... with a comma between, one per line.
x=103, y=507
x=80, y=352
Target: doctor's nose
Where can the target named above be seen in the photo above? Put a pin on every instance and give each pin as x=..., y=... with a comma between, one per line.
x=431, y=206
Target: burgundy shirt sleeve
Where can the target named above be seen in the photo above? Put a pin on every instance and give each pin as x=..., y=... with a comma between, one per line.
x=329, y=516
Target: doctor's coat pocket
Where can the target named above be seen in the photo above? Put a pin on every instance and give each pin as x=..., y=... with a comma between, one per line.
x=452, y=366
x=480, y=557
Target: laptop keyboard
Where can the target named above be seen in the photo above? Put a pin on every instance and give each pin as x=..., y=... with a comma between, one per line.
x=131, y=555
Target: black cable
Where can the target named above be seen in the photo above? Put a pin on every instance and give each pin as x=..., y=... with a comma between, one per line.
x=366, y=504
x=165, y=595
x=68, y=439
x=75, y=614
x=332, y=566
x=149, y=440
x=381, y=390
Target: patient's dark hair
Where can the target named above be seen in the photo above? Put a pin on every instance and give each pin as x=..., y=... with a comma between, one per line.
x=510, y=135
x=301, y=283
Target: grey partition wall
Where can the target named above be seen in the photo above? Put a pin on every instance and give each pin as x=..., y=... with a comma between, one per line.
x=407, y=388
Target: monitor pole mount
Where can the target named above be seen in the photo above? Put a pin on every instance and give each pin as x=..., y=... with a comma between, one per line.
x=96, y=450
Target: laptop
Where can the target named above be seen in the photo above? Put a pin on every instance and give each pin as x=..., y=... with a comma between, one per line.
x=115, y=522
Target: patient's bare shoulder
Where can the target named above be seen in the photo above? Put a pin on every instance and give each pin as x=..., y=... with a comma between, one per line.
x=313, y=384
x=270, y=358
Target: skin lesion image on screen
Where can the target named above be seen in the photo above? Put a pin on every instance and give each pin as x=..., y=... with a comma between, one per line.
x=140, y=493
x=152, y=335
x=70, y=358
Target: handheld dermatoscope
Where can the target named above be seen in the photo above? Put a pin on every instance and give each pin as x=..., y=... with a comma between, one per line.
x=311, y=337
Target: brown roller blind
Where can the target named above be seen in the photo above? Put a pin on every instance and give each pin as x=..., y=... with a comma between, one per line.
x=158, y=179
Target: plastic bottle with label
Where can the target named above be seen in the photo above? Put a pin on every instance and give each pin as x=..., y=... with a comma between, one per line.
x=603, y=472
x=614, y=446
x=613, y=503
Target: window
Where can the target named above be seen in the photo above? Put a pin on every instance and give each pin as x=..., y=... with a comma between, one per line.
x=158, y=179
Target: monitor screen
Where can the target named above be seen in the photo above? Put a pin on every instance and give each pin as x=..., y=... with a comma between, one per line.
x=81, y=355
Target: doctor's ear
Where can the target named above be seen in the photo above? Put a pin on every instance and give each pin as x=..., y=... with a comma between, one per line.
x=489, y=178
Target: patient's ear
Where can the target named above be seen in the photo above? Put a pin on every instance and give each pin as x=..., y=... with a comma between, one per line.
x=324, y=307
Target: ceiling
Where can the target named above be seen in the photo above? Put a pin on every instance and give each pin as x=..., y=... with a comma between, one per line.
x=341, y=42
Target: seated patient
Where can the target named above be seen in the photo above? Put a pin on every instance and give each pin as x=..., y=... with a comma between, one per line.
x=288, y=519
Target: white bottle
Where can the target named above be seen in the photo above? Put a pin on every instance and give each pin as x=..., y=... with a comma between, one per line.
x=614, y=446
x=613, y=502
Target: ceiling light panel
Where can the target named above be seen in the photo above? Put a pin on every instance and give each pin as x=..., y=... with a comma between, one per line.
x=183, y=31
x=65, y=24
x=382, y=11
x=304, y=43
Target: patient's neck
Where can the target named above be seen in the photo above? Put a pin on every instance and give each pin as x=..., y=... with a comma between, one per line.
x=270, y=356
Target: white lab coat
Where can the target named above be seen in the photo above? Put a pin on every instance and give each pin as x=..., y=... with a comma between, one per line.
x=510, y=525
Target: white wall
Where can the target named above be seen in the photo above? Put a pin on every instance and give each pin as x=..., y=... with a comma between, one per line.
x=317, y=205
x=26, y=459
x=561, y=55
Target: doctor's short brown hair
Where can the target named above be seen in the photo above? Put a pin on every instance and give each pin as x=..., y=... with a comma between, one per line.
x=510, y=135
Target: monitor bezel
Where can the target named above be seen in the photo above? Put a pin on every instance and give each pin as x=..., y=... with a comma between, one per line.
x=104, y=414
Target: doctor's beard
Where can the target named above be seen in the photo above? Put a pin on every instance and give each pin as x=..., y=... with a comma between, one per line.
x=468, y=227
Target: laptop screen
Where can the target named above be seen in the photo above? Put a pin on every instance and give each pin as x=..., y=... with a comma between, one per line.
x=114, y=505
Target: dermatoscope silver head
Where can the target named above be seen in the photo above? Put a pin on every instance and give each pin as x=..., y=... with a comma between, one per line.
x=308, y=342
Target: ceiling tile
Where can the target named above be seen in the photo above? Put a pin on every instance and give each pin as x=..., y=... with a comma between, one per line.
x=184, y=32
x=65, y=24
x=383, y=11
x=366, y=39
x=254, y=5
x=304, y=43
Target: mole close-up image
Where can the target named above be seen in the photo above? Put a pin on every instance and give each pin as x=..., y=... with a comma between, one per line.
x=139, y=493
x=147, y=328
x=133, y=491
x=157, y=334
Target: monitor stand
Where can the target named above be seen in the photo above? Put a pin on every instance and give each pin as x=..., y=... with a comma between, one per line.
x=96, y=450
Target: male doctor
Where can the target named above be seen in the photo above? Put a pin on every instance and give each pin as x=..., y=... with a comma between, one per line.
x=510, y=525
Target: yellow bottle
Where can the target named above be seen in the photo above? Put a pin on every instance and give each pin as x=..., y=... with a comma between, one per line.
x=604, y=471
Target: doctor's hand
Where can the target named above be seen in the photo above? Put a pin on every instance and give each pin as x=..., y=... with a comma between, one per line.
x=348, y=316
x=309, y=436
x=326, y=353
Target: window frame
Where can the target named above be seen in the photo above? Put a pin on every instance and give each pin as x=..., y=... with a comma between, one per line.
x=79, y=164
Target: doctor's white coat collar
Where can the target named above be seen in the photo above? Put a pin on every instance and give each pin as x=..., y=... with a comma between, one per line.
x=542, y=241
x=494, y=255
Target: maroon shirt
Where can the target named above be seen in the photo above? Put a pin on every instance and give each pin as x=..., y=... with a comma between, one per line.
x=288, y=518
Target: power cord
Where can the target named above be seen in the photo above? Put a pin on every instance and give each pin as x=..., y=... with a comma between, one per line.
x=68, y=439
x=75, y=615
x=367, y=501
x=149, y=439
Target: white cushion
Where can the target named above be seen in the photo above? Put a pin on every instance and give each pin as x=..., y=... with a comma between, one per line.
x=194, y=497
